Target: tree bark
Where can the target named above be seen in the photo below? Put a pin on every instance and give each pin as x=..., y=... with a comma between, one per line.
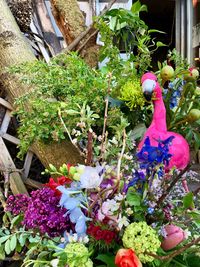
x=15, y=50
x=71, y=22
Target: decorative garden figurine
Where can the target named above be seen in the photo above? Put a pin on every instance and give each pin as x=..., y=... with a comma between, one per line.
x=179, y=149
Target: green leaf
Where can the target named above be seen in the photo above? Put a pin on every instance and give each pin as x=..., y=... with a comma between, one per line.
x=13, y=242
x=7, y=247
x=159, y=44
x=71, y=112
x=18, y=248
x=137, y=7
x=108, y=259
x=159, y=65
x=112, y=23
x=43, y=254
x=154, y=30
x=22, y=239
x=2, y=253
x=188, y=200
x=16, y=220
x=95, y=116
x=138, y=131
x=3, y=239
x=193, y=260
x=133, y=198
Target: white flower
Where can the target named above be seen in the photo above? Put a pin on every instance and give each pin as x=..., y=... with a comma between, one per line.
x=107, y=209
x=73, y=131
x=90, y=178
x=122, y=221
x=129, y=211
x=54, y=263
x=119, y=197
x=187, y=233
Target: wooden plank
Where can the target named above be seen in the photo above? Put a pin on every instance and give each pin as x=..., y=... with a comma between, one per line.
x=27, y=164
x=34, y=184
x=16, y=184
x=44, y=20
x=6, y=121
x=10, y=138
x=5, y=103
x=40, y=43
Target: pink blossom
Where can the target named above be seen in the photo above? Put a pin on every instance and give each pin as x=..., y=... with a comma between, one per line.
x=174, y=236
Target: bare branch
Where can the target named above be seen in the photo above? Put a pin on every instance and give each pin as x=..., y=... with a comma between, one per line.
x=176, y=252
x=177, y=178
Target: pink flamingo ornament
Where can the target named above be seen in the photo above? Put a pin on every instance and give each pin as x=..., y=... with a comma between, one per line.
x=179, y=148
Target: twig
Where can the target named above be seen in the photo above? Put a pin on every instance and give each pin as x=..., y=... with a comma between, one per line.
x=89, y=148
x=196, y=191
x=2, y=199
x=160, y=200
x=176, y=252
x=68, y=133
x=86, y=41
x=6, y=183
x=101, y=193
x=105, y=120
x=83, y=34
x=121, y=155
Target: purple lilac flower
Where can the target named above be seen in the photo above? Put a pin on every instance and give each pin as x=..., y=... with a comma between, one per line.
x=17, y=204
x=44, y=213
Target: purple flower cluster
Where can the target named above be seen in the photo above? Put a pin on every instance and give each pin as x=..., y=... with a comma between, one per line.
x=17, y=204
x=45, y=214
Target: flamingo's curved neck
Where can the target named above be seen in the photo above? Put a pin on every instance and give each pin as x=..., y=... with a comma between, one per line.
x=159, y=116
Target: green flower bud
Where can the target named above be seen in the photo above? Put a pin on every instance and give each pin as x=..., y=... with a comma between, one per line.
x=76, y=176
x=72, y=170
x=167, y=73
x=193, y=115
x=197, y=91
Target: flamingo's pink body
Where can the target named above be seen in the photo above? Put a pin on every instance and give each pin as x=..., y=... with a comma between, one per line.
x=158, y=130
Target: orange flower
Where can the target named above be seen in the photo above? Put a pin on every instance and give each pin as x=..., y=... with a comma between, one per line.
x=127, y=258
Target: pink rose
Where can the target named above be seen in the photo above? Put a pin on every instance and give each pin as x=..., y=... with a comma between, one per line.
x=175, y=235
x=127, y=258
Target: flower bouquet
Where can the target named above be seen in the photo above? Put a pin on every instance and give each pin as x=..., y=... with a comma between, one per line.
x=124, y=206
x=126, y=212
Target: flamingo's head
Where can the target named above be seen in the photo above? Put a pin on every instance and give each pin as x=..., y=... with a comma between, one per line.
x=149, y=84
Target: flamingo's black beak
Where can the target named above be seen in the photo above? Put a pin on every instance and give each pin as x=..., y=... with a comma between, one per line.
x=147, y=95
x=148, y=88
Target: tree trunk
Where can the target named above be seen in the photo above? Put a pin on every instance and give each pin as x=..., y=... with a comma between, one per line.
x=71, y=22
x=15, y=50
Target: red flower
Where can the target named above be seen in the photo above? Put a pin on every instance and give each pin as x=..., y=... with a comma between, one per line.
x=60, y=181
x=109, y=236
x=127, y=258
x=100, y=234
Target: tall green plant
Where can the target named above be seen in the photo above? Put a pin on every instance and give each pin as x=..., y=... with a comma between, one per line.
x=125, y=27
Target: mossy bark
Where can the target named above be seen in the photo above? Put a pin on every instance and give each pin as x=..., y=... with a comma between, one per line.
x=15, y=50
x=71, y=23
